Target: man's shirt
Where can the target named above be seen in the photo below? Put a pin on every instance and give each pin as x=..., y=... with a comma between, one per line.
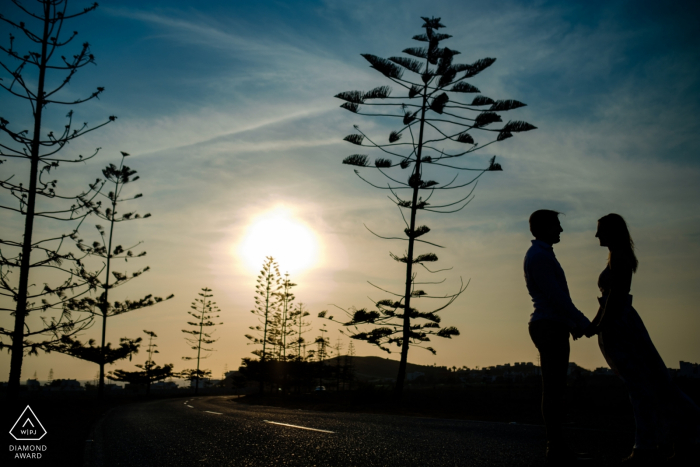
x=547, y=286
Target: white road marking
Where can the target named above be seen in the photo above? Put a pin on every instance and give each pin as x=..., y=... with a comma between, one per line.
x=215, y=413
x=190, y=407
x=297, y=426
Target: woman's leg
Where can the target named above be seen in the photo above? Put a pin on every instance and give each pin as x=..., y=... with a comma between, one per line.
x=621, y=350
x=645, y=407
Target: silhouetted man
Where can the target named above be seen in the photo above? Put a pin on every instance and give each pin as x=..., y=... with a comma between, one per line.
x=554, y=318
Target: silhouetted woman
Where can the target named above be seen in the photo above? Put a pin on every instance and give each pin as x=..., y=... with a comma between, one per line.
x=659, y=405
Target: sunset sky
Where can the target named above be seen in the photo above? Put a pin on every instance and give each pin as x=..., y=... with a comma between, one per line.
x=227, y=110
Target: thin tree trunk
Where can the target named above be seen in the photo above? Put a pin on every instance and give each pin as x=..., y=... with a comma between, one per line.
x=105, y=302
x=267, y=317
x=337, y=369
x=267, y=312
x=22, y=293
x=284, y=326
x=301, y=317
x=409, y=263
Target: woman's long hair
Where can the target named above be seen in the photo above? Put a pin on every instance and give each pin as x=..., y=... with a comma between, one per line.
x=616, y=227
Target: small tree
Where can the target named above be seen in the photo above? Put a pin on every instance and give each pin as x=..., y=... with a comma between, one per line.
x=90, y=352
x=338, y=368
x=433, y=119
x=204, y=311
x=300, y=328
x=150, y=372
x=194, y=376
x=266, y=305
x=348, y=365
x=117, y=178
x=28, y=77
x=322, y=351
x=285, y=325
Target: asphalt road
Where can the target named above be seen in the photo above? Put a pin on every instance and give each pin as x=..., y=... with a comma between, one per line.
x=215, y=431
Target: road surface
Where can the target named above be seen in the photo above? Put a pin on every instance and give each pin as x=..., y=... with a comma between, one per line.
x=216, y=431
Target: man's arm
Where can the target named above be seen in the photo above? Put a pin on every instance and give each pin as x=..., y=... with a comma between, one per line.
x=542, y=271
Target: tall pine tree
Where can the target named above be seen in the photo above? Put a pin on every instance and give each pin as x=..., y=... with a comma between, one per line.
x=266, y=305
x=117, y=178
x=438, y=129
x=37, y=77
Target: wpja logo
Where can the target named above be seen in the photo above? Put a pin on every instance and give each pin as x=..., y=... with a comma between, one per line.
x=28, y=428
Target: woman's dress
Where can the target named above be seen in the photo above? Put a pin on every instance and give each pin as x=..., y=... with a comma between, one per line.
x=658, y=404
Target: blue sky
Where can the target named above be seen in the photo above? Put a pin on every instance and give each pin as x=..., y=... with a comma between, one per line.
x=228, y=111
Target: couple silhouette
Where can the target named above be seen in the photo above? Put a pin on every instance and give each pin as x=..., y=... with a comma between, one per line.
x=667, y=421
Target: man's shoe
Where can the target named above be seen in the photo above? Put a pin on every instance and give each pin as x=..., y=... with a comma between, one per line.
x=562, y=455
x=643, y=457
x=684, y=454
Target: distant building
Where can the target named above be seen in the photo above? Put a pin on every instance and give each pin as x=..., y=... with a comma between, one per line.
x=135, y=387
x=237, y=382
x=204, y=383
x=164, y=386
x=689, y=370
x=33, y=385
x=415, y=375
x=65, y=385
x=603, y=371
x=576, y=370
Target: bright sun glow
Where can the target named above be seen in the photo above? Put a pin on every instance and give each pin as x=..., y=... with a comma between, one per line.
x=278, y=234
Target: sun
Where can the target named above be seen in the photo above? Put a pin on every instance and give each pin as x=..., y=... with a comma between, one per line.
x=279, y=234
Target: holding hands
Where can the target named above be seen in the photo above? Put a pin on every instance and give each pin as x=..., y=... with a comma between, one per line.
x=591, y=330
x=577, y=333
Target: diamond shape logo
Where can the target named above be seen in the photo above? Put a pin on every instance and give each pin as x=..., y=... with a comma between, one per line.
x=27, y=427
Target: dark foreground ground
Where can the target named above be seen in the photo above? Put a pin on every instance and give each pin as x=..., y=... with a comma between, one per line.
x=429, y=426
x=588, y=406
x=218, y=431
x=68, y=420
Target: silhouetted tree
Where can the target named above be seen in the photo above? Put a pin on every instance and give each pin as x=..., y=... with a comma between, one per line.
x=338, y=368
x=348, y=365
x=150, y=372
x=283, y=319
x=433, y=119
x=117, y=178
x=266, y=304
x=322, y=352
x=236, y=381
x=300, y=328
x=29, y=77
x=90, y=352
x=204, y=311
x=194, y=376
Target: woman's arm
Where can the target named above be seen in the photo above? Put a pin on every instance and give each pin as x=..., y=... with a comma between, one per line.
x=594, y=328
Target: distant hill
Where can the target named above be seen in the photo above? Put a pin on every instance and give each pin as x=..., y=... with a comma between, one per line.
x=367, y=368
